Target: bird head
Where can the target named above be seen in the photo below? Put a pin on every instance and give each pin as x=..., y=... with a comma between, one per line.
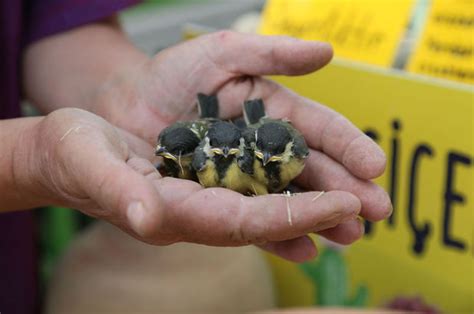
x=224, y=139
x=273, y=143
x=176, y=141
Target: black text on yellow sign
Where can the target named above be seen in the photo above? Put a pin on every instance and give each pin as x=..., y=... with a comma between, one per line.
x=363, y=30
x=446, y=46
x=454, y=161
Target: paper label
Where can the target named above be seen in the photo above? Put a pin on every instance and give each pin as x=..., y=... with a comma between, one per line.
x=446, y=46
x=364, y=30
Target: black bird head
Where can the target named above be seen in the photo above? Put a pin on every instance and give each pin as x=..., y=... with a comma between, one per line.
x=273, y=143
x=225, y=139
x=176, y=141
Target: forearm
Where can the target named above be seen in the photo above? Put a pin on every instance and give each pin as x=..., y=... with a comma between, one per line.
x=19, y=189
x=67, y=69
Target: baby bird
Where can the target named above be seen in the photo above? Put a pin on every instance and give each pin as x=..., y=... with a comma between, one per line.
x=223, y=160
x=279, y=149
x=176, y=143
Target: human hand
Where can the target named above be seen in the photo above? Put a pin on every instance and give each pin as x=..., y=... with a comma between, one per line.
x=76, y=159
x=229, y=64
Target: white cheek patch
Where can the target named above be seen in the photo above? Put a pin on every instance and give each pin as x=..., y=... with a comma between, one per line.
x=196, y=132
x=288, y=153
x=207, y=147
x=241, y=147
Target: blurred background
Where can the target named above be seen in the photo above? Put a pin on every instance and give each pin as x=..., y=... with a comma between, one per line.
x=403, y=72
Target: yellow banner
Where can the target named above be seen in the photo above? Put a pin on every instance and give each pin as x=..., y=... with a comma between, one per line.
x=446, y=46
x=425, y=126
x=364, y=30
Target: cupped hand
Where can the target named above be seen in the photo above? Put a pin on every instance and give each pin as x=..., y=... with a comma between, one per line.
x=231, y=65
x=79, y=160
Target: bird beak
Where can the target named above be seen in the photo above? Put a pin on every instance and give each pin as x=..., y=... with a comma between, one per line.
x=225, y=151
x=159, y=150
x=266, y=158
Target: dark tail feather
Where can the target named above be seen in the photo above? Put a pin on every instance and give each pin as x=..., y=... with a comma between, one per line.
x=208, y=106
x=254, y=110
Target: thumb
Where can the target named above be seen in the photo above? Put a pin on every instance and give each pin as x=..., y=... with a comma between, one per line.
x=117, y=181
x=90, y=167
x=125, y=192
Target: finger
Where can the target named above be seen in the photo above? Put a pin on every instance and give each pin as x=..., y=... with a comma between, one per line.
x=323, y=173
x=248, y=54
x=222, y=56
x=330, y=132
x=297, y=250
x=222, y=217
x=323, y=128
x=344, y=233
x=137, y=145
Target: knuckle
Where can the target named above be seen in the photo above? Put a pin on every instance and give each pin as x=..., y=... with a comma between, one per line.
x=247, y=228
x=66, y=116
x=345, y=203
x=222, y=36
x=144, y=167
x=271, y=54
x=236, y=235
x=218, y=47
x=241, y=236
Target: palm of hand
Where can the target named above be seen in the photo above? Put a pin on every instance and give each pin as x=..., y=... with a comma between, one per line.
x=230, y=65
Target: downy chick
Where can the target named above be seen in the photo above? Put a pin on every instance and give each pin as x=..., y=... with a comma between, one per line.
x=176, y=143
x=279, y=149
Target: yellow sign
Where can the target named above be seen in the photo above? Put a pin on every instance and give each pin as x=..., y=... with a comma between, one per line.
x=364, y=30
x=446, y=46
x=425, y=127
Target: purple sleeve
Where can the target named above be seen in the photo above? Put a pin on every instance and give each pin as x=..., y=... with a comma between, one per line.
x=48, y=17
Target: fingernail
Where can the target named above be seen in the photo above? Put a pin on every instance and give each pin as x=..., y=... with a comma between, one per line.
x=390, y=211
x=362, y=226
x=135, y=215
x=324, y=226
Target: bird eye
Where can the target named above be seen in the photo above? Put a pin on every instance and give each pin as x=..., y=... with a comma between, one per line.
x=217, y=151
x=234, y=151
x=259, y=154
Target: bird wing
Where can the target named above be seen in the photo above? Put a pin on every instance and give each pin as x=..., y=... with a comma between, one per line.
x=245, y=162
x=199, y=158
x=300, y=148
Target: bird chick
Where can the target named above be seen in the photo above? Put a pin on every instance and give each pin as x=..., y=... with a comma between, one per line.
x=223, y=160
x=279, y=149
x=176, y=143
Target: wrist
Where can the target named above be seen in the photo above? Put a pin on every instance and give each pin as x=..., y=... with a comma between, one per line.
x=27, y=181
x=19, y=185
x=40, y=174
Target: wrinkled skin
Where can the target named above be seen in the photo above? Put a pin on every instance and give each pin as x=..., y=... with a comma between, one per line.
x=127, y=190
